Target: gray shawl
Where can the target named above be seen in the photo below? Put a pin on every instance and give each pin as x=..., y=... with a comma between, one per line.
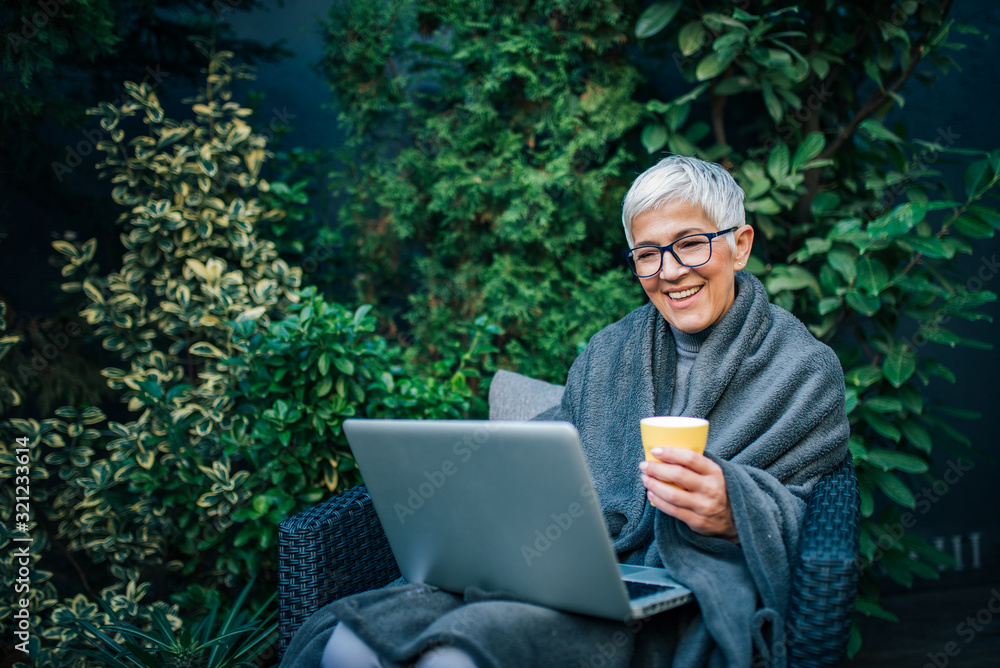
x=774, y=397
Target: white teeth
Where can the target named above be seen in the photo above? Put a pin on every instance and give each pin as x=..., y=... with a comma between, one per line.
x=683, y=293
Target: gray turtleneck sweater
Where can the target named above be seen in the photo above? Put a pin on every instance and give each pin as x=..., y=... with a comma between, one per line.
x=688, y=346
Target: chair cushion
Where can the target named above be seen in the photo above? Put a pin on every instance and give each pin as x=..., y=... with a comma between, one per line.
x=517, y=397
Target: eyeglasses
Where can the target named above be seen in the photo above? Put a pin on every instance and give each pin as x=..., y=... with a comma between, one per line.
x=693, y=250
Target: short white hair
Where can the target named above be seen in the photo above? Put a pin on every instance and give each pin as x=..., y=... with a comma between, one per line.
x=681, y=178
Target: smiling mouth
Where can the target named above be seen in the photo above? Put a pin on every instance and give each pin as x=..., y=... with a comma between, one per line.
x=684, y=293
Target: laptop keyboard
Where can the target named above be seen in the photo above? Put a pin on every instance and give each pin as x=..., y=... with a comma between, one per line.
x=639, y=589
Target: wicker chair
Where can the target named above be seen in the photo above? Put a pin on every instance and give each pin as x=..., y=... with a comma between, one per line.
x=337, y=548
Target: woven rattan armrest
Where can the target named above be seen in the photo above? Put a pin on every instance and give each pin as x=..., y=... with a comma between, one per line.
x=334, y=549
x=825, y=577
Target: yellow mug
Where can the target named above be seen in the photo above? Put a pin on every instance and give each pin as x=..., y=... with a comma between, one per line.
x=673, y=431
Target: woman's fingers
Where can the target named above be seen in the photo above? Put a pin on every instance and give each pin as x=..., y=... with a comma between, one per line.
x=689, y=459
x=690, y=487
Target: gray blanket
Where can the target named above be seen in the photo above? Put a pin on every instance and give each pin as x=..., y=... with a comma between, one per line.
x=775, y=399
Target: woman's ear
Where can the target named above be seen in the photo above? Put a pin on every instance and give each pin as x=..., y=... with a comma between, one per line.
x=744, y=244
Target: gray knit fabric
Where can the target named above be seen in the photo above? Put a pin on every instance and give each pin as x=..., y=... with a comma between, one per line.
x=688, y=346
x=775, y=399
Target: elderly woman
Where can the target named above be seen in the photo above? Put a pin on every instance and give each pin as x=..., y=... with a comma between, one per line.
x=725, y=524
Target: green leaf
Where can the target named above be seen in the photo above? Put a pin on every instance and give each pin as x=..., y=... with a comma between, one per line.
x=881, y=404
x=862, y=303
x=917, y=435
x=894, y=488
x=712, y=65
x=875, y=130
x=986, y=214
x=692, y=38
x=844, y=261
x=891, y=460
x=899, y=365
x=882, y=426
x=324, y=386
x=867, y=500
x=205, y=349
x=829, y=305
x=898, y=221
x=810, y=147
x=929, y=246
x=857, y=448
x=93, y=292
x=863, y=376
x=872, y=275
x=171, y=136
x=871, y=608
x=791, y=277
x=360, y=313
x=680, y=145
x=765, y=205
x=960, y=413
x=971, y=226
x=654, y=137
x=922, y=570
x=774, y=107
x=656, y=17
x=345, y=366
x=778, y=162
x=976, y=177
x=850, y=399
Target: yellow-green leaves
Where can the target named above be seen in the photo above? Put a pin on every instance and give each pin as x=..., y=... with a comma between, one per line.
x=656, y=17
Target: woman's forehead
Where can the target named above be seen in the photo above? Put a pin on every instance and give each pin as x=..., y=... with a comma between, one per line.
x=676, y=219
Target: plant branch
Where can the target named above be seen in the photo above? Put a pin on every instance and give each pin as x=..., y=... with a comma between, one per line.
x=881, y=96
x=812, y=124
x=874, y=102
x=43, y=521
x=858, y=34
x=718, y=123
x=958, y=213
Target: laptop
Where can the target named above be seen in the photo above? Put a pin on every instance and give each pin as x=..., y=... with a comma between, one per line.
x=506, y=507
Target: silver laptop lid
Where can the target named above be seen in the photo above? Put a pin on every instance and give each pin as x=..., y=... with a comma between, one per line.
x=503, y=506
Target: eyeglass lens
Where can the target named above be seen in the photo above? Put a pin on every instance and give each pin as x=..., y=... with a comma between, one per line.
x=691, y=251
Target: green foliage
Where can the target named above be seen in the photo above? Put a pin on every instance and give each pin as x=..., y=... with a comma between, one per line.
x=35, y=36
x=236, y=384
x=50, y=46
x=135, y=501
x=492, y=145
x=486, y=168
x=861, y=238
x=305, y=235
x=306, y=374
x=8, y=395
x=231, y=642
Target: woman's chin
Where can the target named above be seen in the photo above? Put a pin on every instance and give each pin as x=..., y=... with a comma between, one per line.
x=688, y=325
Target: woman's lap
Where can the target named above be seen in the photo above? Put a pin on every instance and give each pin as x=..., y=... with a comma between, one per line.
x=403, y=622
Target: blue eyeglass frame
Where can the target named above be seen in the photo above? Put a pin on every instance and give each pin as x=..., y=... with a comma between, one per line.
x=670, y=247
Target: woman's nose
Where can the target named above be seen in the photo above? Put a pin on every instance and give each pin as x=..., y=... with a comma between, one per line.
x=671, y=269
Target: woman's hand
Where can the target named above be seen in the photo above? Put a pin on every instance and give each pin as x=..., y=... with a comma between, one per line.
x=701, y=502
